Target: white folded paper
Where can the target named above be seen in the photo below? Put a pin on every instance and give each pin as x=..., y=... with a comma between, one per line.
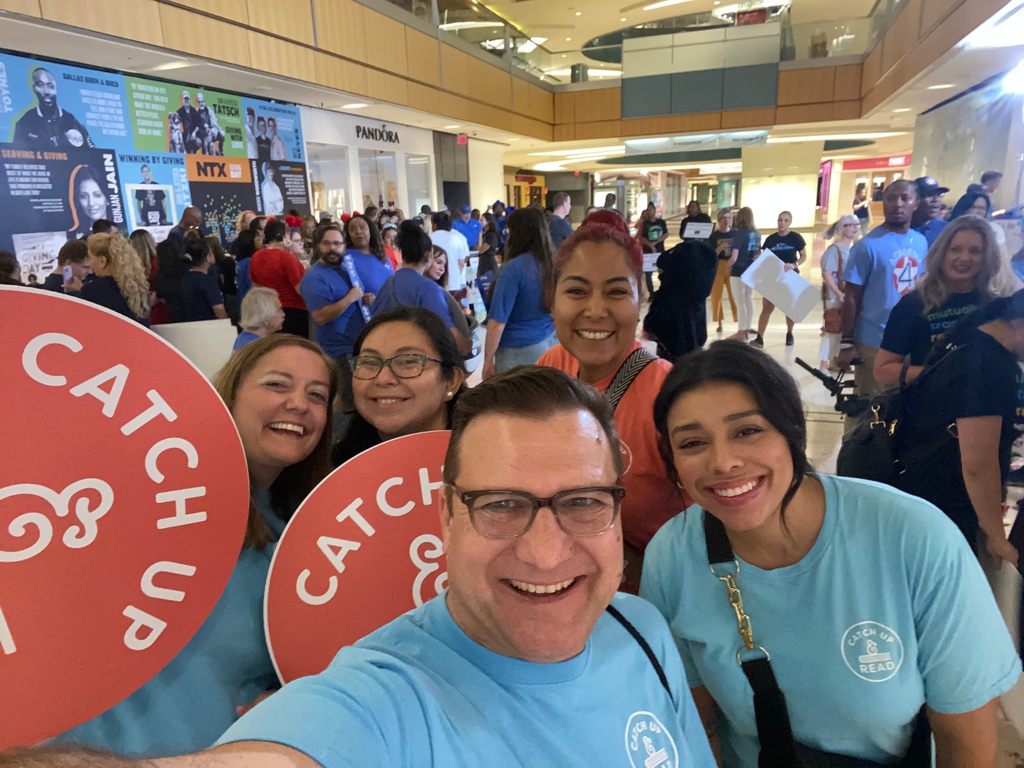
x=786, y=290
x=698, y=230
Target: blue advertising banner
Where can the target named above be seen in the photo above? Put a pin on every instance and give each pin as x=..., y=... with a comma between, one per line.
x=78, y=145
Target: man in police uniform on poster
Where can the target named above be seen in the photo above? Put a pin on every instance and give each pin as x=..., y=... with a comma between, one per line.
x=47, y=126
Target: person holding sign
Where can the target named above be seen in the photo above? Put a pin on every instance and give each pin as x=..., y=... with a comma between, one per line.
x=791, y=249
x=529, y=657
x=596, y=310
x=860, y=604
x=407, y=375
x=280, y=392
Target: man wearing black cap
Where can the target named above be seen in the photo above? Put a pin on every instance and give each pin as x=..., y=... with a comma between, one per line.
x=928, y=216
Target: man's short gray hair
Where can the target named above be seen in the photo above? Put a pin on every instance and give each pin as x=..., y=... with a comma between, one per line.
x=259, y=306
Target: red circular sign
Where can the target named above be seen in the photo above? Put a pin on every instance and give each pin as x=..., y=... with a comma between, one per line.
x=123, y=502
x=364, y=548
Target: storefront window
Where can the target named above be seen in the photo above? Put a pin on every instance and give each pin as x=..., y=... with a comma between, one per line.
x=328, y=176
x=417, y=176
x=378, y=172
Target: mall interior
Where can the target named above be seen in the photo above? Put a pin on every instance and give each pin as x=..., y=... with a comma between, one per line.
x=322, y=109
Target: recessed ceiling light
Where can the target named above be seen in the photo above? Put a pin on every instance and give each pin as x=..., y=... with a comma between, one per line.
x=452, y=127
x=568, y=39
x=902, y=109
x=664, y=4
x=941, y=87
x=357, y=105
x=623, y=18
x=564, y=55
x=579, y=13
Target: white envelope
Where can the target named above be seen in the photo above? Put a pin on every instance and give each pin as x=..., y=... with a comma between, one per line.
x=786, y=290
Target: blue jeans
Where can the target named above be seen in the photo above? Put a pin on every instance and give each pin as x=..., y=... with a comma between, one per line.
x=510, y=357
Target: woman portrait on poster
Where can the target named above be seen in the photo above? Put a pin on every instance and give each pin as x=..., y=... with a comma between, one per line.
x=273, y=200
x=88, y=200
x=278, y=151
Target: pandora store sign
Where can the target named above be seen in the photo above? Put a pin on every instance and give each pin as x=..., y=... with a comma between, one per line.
x=381, y=134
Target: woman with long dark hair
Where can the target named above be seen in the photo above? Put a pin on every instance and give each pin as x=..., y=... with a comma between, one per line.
x=859, y=605
x=519, y=325
x=89, y=202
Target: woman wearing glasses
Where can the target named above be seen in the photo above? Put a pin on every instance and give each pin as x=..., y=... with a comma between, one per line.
x=407, y=374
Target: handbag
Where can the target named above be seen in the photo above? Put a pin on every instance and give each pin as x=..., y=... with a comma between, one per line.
x=833, y=317
x=778, y=747
x=875, y=449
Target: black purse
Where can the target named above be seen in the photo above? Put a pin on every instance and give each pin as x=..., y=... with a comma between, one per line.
x=778, y=747
x=875, y=449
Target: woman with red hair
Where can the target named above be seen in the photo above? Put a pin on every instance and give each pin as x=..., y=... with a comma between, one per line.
x=598, y=279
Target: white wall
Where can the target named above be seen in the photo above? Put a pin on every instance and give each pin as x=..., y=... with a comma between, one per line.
x=781, y=177
x=486, y=173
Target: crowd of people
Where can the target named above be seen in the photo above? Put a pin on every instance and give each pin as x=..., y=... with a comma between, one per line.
x=867, y=632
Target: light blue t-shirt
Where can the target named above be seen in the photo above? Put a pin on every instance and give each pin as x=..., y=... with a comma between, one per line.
x=888, y=610
x=192, y=700
x=245, y=337
x=419, y=692
x=518, y=302
x=408, y=288
x=323, y=285
x=887, y=265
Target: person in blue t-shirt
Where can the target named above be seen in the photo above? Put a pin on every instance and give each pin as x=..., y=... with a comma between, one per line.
x=962, y=271
x=866, y=602
x=262, y=315
x=409, y=287
x=470, y=228
x=337, y=286
x=226, y=668
x=883, y=267
x=203, y=299
x=746, y=247
x=530, y=657
x=519, y=325
x=928, y=219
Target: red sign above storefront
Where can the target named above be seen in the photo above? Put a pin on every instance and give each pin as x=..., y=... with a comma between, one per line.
x=124, y=495
x=877, y=163
x=364, y=548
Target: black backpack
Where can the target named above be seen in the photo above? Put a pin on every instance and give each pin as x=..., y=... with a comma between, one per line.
x=876, y=449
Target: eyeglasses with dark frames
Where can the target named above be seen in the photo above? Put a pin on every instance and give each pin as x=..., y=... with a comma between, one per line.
x=405, y=366
x=500, y=514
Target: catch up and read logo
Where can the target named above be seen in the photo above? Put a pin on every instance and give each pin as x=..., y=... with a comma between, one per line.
x=649, y=744
x=872, y=651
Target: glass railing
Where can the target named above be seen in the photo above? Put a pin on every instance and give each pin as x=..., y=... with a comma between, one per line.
x=477, y=26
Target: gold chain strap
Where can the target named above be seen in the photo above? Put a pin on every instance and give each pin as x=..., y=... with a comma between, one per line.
x=736, y=601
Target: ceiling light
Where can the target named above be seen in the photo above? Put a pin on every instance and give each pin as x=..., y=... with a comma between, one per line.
x=1013, y=82
x=456, y=25
x=568, y=39
x=664, y=4
x=452, y=127
x=942, y=87
x=623, y=18
x=902, y=109
x=579, y=13
x=357, y=105
x=584, y=151
x=835, y=137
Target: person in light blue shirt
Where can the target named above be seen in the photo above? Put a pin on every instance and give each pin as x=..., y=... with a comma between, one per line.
x=868, y=601
x=882, y=268
x=529, y=657
x=470, y=228
x=226, y=666
x=261, y=316
x=519, y=324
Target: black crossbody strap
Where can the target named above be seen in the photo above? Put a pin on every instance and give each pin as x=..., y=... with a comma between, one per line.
x=631, y=367
x=770, y=711
x=617, y=615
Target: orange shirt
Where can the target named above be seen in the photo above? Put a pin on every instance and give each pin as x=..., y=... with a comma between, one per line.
x=651, y=499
